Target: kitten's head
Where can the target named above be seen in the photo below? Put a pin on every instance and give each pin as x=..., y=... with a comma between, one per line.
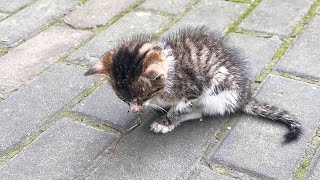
x=137, y=70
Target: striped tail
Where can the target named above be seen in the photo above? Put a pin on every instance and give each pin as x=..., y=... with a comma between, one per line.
x=267, y=111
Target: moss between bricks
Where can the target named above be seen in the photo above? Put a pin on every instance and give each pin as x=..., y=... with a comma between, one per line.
x=305, y=164
x=276, y=57
x=241, y=1
x=302, y=170
x=234, y=25
x=299, y=27
x=86, y=121
x=24, y=143
x=287, y=42
x=176, y=18
x=254, y=33
x=83, y=1
x=221, y=170
x=297, y=78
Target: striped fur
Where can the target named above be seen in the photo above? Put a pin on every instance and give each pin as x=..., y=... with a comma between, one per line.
x=187, y=75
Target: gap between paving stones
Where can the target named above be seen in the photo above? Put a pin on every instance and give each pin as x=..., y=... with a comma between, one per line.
x=241, y=1
x=14, y=150
x=52, y=23
x=212, y=144
x=101, y=28
x=235, y=24
x=160, y=13
x=287, y=42
x=19, y=9
x=59, y=60
x=177, y=18
x=101, y=158
x=296, y=78
x=305, y=164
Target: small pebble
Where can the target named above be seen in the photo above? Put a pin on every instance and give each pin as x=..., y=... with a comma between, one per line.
x=229, y=128
x=200, y=119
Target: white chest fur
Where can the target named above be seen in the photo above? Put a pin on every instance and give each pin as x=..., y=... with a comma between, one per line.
x=214, y=104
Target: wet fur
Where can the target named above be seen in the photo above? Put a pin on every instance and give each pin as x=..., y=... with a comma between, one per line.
x=191, y=73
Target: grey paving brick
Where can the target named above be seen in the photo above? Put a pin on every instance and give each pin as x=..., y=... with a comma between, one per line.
x=302, y=58
x=258, y=51
x=3, y=15
x=31, y=19
x=315, y=169
x=104, y=106
x=277, y=17
x=254, y=145
x=217, y=15
x=204, y=173
x=171, y=6
x=146, y=155
x=13, y=5
x=64, y=151
x=132, y=23
x=96, y=13
x=31, y=57
x=29, y=107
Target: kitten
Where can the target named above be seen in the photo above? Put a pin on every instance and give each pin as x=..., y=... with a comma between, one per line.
x=191, y=74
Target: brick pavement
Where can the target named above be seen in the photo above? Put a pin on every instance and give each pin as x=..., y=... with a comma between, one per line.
x=57, y=124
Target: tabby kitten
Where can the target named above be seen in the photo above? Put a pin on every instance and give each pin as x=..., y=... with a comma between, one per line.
x=188, y=75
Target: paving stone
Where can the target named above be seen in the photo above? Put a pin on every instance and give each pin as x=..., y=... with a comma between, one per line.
x=30, y=58
x=132, y=23
x=64, y=151
x=3, y=15
x=96, y=13
x=17, y=27
x=146, y=155
x=315, y=169
x=171, y=6
x=206, y=174
x=302, y=58
x=105, y=106
x=13, y=5
x=29, y=107
x=222, y=15
x=269, y=16
x=255, y=146
x=258, y=51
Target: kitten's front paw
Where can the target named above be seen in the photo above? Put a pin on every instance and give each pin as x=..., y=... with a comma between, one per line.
x=161, y=128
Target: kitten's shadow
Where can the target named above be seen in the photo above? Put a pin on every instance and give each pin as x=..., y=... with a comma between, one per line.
x=190, y=132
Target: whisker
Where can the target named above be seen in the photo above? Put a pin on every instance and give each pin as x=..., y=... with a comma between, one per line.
x=159, y=107
x=152, y=110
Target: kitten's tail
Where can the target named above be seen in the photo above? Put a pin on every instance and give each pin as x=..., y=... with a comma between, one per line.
x=265, y=110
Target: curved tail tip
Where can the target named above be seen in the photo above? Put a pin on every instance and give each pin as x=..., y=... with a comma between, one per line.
x=293, y=135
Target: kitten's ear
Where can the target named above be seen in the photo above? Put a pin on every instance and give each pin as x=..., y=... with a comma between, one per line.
x=103, y=66
x=154, y=75
x=155, y=66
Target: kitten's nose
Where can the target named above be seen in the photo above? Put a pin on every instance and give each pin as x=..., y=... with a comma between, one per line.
x=135, y=108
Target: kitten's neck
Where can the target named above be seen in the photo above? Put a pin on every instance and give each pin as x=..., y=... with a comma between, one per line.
x=167, y=51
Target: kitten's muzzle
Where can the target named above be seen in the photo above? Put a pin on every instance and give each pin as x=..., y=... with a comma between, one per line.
x=135, y=108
